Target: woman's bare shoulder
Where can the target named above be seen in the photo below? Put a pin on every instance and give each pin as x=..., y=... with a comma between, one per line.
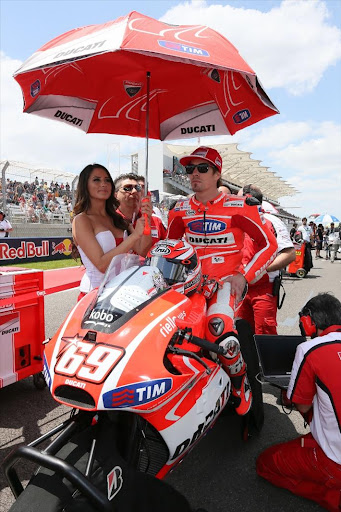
x=81, y=219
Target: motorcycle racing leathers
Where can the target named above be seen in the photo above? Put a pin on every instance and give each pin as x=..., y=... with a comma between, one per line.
x=217, y=231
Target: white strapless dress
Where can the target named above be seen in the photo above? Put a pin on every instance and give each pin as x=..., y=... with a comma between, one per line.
x=93, y=277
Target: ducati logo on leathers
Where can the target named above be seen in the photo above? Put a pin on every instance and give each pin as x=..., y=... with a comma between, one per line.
x=216, y=326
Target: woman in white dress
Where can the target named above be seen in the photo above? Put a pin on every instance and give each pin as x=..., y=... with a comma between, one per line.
x=99, y=232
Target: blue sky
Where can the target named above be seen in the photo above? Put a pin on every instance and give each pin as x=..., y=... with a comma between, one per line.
x=294, y=47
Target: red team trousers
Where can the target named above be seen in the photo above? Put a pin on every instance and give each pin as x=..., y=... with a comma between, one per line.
x=302, y=467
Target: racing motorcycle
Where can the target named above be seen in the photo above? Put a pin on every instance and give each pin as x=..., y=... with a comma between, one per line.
x=143, y=384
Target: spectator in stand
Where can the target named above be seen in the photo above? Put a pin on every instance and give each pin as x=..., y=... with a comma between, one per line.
x=259, y=306
x=306, y=234
x=129, y=194
x=319, y=240
x=5, y=226
x=310, y=466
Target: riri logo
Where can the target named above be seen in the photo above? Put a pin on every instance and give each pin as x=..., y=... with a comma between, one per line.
x=183, y=48
x=241, y=116
x=136, y=394
x=209, y=226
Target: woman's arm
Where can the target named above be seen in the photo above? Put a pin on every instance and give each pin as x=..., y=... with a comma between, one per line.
x=84, y=237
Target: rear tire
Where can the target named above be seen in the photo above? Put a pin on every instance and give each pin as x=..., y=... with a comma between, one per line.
x=253, y=421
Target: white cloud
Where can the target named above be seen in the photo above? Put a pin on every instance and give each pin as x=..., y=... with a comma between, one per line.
x=39, y=141
x=318, y=155
x=318, y=196
x=290, y=46
x=279, y=135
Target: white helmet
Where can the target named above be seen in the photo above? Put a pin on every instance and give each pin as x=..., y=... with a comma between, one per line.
x=179, y=264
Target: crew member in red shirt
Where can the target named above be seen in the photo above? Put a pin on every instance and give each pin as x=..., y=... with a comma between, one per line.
x=310, y=466
x=215, y=224
x=129, y=194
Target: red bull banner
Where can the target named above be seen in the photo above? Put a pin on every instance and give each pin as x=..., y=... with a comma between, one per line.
x=19, y=250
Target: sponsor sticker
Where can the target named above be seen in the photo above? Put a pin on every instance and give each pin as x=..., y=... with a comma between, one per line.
x=35, y=88
x=136, y=394
x=183, y=48
x=190, y=213
x=114, y=482
x=160, y=249
x=207, y=226
x=241, y=116
x=235, y=204
x=216, y=326
x=218, y=259
x=132, y=88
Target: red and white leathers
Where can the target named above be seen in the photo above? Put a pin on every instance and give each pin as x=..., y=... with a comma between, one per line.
x=259, y=306
x=217, y=231
x=310, y=466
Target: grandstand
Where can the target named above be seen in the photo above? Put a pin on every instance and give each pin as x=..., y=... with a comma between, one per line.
x=37, y=200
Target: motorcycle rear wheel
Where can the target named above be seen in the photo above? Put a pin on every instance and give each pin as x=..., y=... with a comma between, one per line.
x=253, y=421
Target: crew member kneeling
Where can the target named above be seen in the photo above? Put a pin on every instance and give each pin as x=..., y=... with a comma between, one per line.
x=310, y=466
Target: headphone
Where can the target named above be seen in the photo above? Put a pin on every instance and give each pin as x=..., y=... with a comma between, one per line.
x=307, y=325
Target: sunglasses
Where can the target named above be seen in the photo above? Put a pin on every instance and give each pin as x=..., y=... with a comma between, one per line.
x=202, y=168
x=130, y=188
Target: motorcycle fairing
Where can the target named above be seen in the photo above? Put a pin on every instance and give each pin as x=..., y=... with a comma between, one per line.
x=180, y=399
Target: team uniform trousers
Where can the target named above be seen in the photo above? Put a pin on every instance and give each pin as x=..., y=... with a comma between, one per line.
x=259, y=308
x=302, y=467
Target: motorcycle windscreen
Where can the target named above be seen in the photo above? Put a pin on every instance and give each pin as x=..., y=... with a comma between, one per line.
x=173, y=271
x=121, y=295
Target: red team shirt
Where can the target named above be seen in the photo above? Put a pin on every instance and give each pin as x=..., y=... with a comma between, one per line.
x=217, y=231
x=316, y=378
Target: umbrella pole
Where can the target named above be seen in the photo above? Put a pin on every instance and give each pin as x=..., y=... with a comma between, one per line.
x=147, y=229
x=147, y=131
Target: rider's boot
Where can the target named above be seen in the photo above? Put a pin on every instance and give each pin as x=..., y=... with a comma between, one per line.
x=234, y=365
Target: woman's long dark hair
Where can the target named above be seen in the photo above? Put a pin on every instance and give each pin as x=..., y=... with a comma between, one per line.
x=83, y=201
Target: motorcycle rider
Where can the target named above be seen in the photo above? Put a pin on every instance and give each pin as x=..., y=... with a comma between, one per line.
x=215, y=224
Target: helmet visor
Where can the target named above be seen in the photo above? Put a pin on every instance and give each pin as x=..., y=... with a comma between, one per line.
x=172, y=271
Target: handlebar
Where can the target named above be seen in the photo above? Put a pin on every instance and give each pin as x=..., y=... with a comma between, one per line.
x=186, y=335
x=208, y=345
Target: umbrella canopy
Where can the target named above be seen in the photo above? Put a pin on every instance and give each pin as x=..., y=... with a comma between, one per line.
x=95, y=78
x=326, y=219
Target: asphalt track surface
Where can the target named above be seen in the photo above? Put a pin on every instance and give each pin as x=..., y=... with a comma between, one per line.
x=219, y=474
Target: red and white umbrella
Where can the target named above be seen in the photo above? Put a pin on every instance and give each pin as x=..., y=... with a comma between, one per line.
x=134, y=73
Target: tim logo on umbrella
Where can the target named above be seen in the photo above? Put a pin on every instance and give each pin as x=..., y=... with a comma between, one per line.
x=178, y=47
